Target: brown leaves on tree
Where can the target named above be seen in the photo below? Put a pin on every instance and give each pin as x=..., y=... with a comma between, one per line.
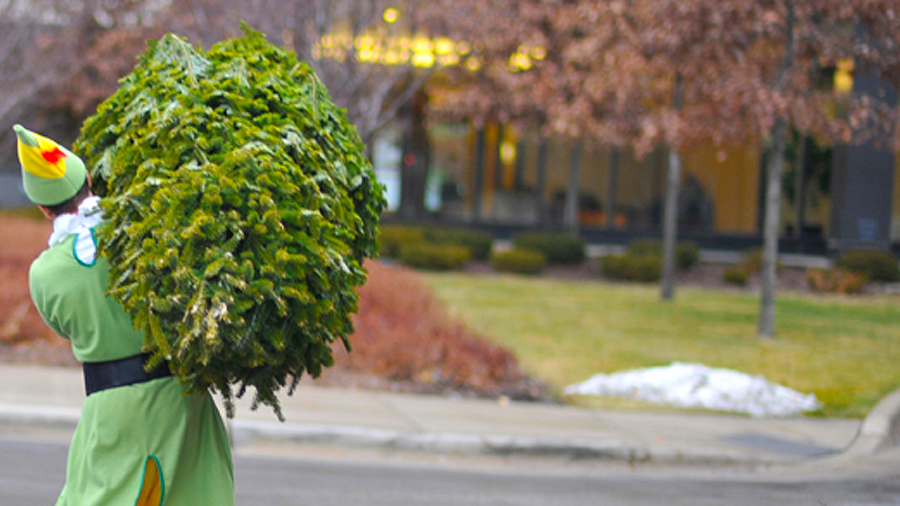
x=610, y=67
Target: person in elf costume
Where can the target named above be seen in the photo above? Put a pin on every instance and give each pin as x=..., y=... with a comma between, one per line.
x=140, y=440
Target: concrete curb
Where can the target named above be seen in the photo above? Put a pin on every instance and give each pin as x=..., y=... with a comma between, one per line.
x=875, y=433
x=248, y=432
x=39, y=416
x=878, y=429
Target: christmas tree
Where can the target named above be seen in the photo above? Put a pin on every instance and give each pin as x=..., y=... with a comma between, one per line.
x=240, y=208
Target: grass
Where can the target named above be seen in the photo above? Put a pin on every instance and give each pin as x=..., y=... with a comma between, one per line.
x=843, y=349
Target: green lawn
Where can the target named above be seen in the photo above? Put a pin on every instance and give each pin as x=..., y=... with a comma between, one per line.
x=846, y=350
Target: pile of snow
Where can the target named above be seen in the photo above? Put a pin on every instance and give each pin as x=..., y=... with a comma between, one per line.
x=698, y=386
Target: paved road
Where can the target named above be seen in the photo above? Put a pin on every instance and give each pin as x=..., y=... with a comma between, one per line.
x=32, y=470
x=284, y=483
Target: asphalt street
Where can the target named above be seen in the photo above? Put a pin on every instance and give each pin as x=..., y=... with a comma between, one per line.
x=344, y=446
x=32, y=470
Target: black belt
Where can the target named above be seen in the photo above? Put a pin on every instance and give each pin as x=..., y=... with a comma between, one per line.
x=119, y=373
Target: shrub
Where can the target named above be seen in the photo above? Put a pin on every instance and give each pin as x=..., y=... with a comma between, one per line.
x=479, y=243
x=558, y=249
x=404, y=333
x=876, y=265
x=735, y=275
x=835, y=280
x=392, y=239
x=752, y=262
x=687, y=253
x=615, y=266
x=519, y=261
x=629, y=267
x=440, y=257
x=645, y=247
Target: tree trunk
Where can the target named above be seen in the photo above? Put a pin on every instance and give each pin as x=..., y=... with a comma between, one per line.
x=670, y=226
x=541, y=185
x=478, y=176
x=775, y=168
x=670, y=209
x=770, y=231
x=800, y=188
x=520, y=166
x=612, y=183
x=415, y=161
x=570, y=216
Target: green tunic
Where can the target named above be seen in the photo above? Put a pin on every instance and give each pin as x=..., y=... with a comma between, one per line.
x=125, y=431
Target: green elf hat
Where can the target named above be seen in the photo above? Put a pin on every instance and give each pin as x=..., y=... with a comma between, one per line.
x=51, y=173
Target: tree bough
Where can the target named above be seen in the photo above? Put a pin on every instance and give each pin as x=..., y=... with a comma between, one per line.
x=240, y=208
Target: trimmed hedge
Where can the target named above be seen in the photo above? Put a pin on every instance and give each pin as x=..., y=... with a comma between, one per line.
x=750, y=265
x=752, y=262
x=687, y=253
x=440, y=257
x=518, y=261
x=735, y=275
x=629, y=267
x=479, y=243
x=876, y=265
x=835, y=280
x=392, y=239
x=558, y=249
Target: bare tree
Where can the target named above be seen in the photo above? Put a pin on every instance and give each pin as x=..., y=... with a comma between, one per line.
x=56, y=56
x=24, y=41
x=345, y=41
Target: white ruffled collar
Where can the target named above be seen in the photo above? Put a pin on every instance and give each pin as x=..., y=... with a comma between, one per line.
x=89, y=215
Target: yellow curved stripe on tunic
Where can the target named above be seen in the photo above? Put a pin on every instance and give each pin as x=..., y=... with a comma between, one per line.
x=152, y=489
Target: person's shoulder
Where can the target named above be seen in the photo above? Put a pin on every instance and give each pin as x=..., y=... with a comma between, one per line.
x=51, y=259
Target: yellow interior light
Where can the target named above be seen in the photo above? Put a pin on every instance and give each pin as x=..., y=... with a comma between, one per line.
x=538, y=52
x=843, y=81
x=463, y=48
x=423, y=59
x=473, y=63
x=391, y=57
x=524, y=62
x=843, y=76
x=343, y=40
x=443, y=45
x=448, y=59
x=519, y=61
x=391, y=15
x=422, y=44
x=507, y=152
x=846, y=65
x=365, y=42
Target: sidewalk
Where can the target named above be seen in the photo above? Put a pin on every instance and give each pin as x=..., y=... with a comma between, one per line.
x=50, y=397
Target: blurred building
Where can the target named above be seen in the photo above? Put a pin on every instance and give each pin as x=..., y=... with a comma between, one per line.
x=834, y=198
